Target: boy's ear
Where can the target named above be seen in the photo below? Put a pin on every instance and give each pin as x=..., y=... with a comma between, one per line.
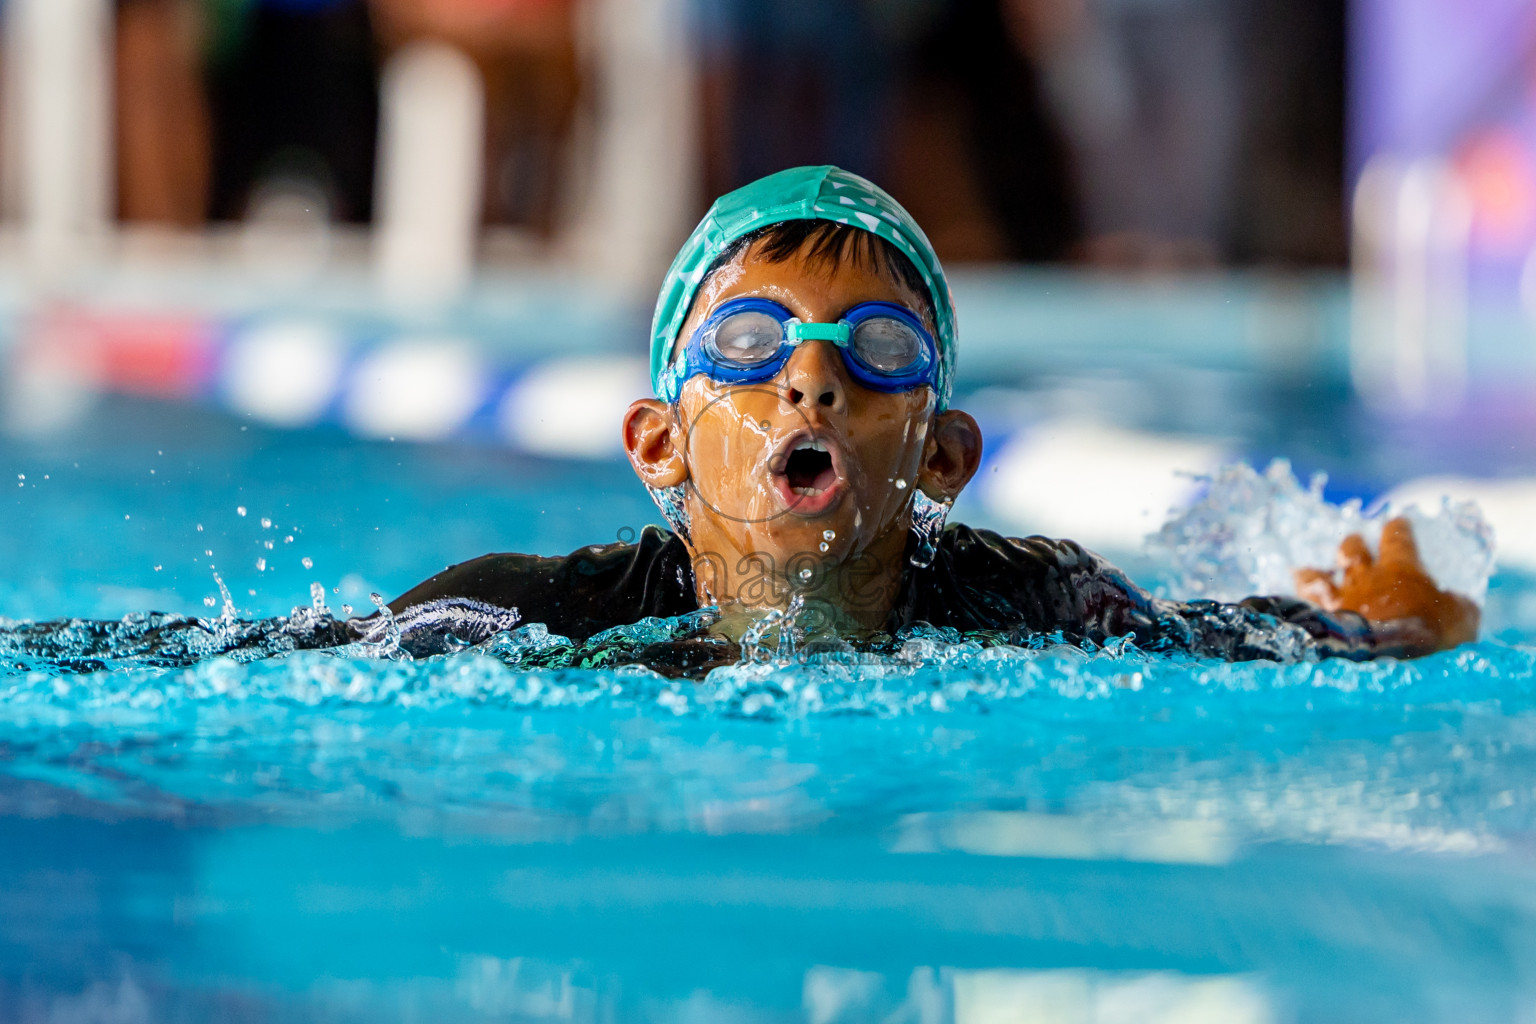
x=648, y=438
x=951, y=456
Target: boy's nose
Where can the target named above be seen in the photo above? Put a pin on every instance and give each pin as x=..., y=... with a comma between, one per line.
x=814, y=377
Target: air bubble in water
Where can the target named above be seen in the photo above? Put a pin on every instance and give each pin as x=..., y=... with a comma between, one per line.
x=307, y=562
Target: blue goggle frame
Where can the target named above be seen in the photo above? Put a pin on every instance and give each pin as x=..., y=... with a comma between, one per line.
x=701, y=356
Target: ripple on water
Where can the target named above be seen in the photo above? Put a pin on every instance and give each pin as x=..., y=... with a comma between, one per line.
x=511, y=734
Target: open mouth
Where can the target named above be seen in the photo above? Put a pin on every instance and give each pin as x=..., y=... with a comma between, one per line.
x=808, y=476
x=809, y=469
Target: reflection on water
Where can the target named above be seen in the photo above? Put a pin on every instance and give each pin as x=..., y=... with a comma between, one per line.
x=484, y=989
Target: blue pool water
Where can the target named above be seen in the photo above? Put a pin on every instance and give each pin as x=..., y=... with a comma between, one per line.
x=944, y=833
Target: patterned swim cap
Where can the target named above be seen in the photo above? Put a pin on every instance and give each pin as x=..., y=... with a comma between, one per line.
x=800, y=193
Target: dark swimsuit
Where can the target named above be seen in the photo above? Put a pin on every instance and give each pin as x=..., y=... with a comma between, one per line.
x=1014, y=590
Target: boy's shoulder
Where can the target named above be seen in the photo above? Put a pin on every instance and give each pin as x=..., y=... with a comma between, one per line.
x=584, y=592
x=974, y=544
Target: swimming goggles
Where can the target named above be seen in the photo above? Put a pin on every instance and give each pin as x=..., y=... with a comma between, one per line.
x=884, y=346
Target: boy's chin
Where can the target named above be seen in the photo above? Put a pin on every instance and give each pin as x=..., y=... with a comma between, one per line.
x=830, y=535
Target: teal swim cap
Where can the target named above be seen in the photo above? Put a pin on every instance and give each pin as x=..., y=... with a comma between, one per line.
x=800, y=193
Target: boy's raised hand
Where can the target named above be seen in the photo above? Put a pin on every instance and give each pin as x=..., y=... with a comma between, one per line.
x=1392, y=588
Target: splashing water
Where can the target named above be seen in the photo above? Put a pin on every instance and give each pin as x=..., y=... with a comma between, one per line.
x=928, y=518
x=386, y=631
x=784, y=620
x=673, y=505
x=1251, y=530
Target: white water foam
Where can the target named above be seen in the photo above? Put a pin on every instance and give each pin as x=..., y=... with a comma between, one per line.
x=1250, y=531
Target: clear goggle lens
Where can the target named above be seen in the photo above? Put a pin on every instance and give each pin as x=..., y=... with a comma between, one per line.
x=748, y=338
x=886, y=344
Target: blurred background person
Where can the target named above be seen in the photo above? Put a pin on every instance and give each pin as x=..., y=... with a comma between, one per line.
x=293, y=89
x=164, y=144
x=933, y=97
x=526, y=54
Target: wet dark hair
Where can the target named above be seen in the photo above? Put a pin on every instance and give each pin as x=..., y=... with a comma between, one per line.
x=827, y=245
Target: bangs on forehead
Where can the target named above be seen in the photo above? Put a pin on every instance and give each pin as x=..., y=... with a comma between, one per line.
x=827, y=245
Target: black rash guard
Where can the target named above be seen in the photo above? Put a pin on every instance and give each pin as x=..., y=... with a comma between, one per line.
x=978, y=581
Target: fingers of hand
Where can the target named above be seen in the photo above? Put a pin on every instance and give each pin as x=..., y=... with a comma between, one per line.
x=1397, y=544
x=1354, y=555
x=1317, y=586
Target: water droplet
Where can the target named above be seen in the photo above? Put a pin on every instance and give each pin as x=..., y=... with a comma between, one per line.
x=199, y=527
x=208, y=601
x=825, y=547
x=306, y=562
x=208, y=552
x=346, y=609
x=157, y=568
x=901, y=485
x=828, y=534
x=261, y=565
x=252, y=592
x=806, y=574
x=21, y=476
x=130, y=517
x=267, y=545
x=335, y=590
x=288, y=539
x=266, y=524
x=240, y=510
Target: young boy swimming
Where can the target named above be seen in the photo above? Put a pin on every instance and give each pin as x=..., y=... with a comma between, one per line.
x=802, y=446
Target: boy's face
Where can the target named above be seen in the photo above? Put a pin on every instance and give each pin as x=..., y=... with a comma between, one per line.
x=810, y=461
